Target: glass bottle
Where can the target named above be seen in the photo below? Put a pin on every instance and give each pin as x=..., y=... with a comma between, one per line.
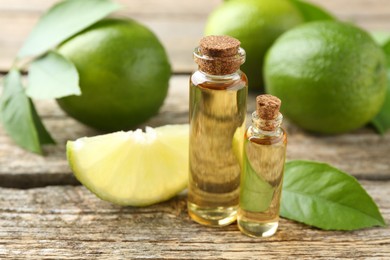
x=264, y=154
x=218, y=91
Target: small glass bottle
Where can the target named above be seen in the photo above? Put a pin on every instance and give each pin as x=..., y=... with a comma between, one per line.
x=264, y=154
x=218, y=92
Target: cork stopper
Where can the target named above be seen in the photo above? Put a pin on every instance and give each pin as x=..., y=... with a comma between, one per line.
x=267, y=106
x=219, y=55
x=219, y=46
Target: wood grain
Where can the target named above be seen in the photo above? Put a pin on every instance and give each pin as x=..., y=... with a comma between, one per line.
x=65, y=222
x=179, y=24
x=362, y=153
x=68, y=222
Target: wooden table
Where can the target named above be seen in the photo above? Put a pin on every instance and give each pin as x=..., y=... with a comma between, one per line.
x=45, y=214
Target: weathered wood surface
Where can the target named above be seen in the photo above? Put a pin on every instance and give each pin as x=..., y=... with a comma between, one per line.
x=66, y=222
x=179, y=24
x=363, y=153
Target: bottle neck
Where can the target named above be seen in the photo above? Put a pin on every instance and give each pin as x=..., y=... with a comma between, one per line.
x=233, y=76
x=266, y=127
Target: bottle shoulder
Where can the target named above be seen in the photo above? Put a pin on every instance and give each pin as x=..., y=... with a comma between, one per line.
x=279, y=136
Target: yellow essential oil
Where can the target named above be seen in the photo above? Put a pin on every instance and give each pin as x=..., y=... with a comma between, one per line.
x=262, y=174
x=218, y=92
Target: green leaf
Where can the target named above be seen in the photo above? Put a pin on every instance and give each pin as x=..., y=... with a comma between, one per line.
x=311, y=12
x=386, y=48
x=16, y=114
x=382, y=120
x=320, y=195
x=255, y=193
x=52, y=76
x=43, y=135
x=62, y=21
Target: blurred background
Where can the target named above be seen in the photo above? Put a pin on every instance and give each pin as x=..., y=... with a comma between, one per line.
x=178, y=24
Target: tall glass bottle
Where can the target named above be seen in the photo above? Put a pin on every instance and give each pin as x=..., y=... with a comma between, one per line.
x=218, y=91
x=264, y=156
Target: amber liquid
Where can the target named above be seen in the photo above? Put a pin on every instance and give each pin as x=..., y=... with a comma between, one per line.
x=217, y=110
x=261, y=183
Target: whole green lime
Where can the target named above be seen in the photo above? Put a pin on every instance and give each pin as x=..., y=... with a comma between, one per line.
x=257, y=24
x=330, y=76
x=124, y=75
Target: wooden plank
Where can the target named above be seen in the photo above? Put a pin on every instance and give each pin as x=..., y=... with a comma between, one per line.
x=179, y=24
x=65, y=222
x=179, y=37
x=356, y=8
x=362, y=153
x=202, y=7
x=133, y=7
x=19, y=168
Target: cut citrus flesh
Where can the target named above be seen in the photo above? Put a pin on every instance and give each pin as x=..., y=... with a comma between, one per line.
x=133, y=168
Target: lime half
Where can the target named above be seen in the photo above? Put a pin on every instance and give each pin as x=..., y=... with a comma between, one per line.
x=133, y=168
